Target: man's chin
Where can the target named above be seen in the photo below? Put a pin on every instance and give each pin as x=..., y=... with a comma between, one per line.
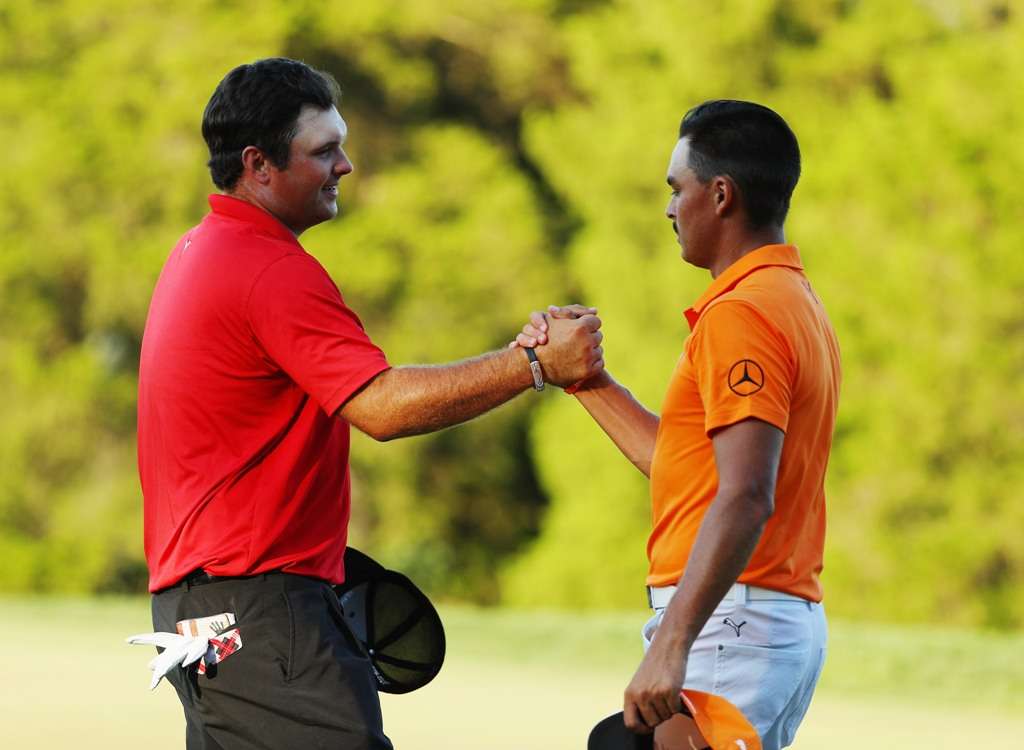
x=688, y=258
x=328, y=211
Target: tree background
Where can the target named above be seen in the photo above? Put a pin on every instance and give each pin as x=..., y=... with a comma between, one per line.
x=510, y=154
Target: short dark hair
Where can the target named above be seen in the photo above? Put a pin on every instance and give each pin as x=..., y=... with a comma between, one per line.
x=751, y=144
x=258, y=104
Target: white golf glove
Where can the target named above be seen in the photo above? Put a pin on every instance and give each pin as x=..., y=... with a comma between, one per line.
x=179, y=651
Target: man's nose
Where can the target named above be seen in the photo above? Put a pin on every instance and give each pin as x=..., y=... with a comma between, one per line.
x=670, y=210
x=344, y=165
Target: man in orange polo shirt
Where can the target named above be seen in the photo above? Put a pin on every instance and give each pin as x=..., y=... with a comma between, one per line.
x=737, y=457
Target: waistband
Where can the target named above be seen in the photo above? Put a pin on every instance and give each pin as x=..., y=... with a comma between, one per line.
x=200, y=577
x=659, y=596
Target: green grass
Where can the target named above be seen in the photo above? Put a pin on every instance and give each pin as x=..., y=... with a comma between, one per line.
x=512, y=680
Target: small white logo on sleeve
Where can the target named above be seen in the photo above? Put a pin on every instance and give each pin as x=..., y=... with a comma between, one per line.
x=741, y=744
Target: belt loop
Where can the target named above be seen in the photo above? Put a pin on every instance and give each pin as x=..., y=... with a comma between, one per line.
x=741, y=594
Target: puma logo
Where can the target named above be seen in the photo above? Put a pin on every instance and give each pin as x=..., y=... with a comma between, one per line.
x=729, y=621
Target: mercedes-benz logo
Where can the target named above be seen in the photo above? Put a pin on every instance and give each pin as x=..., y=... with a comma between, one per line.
x=746, y=378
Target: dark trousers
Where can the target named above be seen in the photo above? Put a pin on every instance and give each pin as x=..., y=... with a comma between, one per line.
x=299, y=680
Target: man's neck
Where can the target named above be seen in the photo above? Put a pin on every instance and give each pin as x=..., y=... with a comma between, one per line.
x=245, y=193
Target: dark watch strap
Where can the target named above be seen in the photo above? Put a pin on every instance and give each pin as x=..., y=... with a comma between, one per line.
x=538, y=374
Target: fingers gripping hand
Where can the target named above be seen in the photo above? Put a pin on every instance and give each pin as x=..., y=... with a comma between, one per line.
x=570, y=312
x=535, y=332
x=574, y=350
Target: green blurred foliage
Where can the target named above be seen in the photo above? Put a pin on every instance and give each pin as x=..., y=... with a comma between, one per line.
x=511, y=154
x=908, y=215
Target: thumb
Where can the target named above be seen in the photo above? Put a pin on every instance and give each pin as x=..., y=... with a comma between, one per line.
x=570, y=311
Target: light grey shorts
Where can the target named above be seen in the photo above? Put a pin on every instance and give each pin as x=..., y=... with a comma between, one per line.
x=762, y=654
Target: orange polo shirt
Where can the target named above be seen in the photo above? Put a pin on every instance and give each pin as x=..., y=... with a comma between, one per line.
x=761, y=346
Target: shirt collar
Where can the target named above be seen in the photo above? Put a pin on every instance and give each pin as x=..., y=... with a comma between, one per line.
x=762, y=257
x=250, y=213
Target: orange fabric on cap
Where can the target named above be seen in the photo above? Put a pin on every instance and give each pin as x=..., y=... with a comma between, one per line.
x=721, y=724
x=761, y=347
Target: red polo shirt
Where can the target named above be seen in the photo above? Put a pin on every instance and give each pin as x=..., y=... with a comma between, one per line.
x=248, y=353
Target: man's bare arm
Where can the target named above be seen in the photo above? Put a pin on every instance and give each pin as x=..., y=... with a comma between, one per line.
x=417, y=399
x=631, y=426
x=747, y=458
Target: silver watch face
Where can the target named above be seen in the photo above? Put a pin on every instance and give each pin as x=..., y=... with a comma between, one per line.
x=538, y=375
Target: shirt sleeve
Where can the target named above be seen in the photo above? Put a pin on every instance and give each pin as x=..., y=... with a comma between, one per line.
x=743, y=365
x=300, y=320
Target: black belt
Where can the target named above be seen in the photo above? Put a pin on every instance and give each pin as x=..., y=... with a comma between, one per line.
x=200, y=577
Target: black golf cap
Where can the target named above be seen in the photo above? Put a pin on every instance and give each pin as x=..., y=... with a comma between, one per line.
x=394, y=622
x=611, y=734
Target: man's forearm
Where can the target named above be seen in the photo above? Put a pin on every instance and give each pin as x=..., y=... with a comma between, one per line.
x=624, y=419
x=416, y=399
x=728, y=535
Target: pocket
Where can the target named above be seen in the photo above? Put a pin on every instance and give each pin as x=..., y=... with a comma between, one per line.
x=650, y=628
x=290, y=661
x=306, y=619
x=758, y=680
x=274, y=630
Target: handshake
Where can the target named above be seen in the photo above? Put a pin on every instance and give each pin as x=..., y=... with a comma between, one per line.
x=567, y=343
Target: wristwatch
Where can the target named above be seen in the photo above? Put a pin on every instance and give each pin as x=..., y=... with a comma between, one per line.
x=538, y=374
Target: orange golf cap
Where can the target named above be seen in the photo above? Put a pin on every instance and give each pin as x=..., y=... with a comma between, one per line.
x=706, y=721
x=721, y=725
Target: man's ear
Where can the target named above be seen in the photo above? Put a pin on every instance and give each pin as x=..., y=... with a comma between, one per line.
x=725, y=194
x=255, y=163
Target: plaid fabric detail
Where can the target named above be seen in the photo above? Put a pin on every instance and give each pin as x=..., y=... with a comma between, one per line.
x=220, y=648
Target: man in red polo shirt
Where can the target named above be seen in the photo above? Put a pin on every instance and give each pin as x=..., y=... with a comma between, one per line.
x=252, y=370
x=737, y=457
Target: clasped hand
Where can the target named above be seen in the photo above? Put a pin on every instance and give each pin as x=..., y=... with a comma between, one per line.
x=567, y=342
